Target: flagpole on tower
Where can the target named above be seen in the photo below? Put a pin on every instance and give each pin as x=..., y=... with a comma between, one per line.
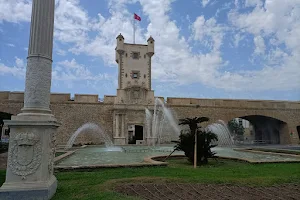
x=133, y=30
x=135, y=17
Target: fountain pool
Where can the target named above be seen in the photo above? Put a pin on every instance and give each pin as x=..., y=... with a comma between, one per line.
x=99, y=155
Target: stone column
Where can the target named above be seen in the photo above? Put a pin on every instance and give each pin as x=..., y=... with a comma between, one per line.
x=117, y=125
x=31, y=153
x=39, y=61
x=123, y=123
x=119, y=138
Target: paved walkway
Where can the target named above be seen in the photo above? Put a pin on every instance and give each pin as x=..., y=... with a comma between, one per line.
x=212, y=191
x=3, y=160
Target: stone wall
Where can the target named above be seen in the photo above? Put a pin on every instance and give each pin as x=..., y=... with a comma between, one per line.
x=289, y=116
x=73, y=114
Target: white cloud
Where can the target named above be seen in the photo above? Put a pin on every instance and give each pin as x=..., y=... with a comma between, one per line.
x=249, y=3
x=15, y=10
x=174, y=63
x=18, y=69
x=11, y=45
x=237, y=39
x=209, y=28
x=260, y=46
x=61, y=52
x=205, y=2
x=72, y=71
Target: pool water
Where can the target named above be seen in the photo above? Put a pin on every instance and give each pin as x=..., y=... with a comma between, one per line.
x=135, y=154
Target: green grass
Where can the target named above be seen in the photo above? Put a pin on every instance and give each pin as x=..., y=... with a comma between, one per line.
x=98, y=184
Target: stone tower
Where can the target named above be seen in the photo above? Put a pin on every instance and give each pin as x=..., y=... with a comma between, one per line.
x=134, y=87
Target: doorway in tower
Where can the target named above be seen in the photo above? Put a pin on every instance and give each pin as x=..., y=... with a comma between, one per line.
x=135, y=134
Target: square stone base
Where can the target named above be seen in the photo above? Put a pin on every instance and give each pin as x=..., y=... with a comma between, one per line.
x=29, y=191
x=119, y=141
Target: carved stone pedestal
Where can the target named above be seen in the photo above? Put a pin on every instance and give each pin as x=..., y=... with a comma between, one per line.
x=151, y=140
x=30, y=162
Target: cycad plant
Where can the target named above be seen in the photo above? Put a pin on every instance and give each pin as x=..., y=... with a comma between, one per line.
x=195, y=142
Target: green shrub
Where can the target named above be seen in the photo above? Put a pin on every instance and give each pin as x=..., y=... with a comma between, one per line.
x=204, y=139
x=187, y=140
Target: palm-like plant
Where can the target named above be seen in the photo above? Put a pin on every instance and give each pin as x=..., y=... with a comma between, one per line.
x=189, y=141
x=193, y=123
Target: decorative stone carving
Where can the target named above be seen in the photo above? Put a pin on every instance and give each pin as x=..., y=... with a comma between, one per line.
x=136, y=94
x=51, y=154
x=25, y=154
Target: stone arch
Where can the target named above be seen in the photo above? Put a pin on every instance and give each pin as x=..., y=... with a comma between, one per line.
x=267, y=130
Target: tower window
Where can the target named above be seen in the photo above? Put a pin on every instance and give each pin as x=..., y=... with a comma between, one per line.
x=135, y=75
x=144, y=75
x=135, y=55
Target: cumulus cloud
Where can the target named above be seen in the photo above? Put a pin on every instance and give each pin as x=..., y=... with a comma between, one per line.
x=15, y=10
x=209, y=28
x=70, y=70
x=205, y=2
x=275, y=28
x=260, y=46
x=18, y=69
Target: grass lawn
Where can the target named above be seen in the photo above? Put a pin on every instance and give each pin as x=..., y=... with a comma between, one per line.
x=98, y=184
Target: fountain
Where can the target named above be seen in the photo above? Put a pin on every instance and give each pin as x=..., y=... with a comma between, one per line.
x=148, y=120
x=221, y=130
x=96, y=129
x=161, y=121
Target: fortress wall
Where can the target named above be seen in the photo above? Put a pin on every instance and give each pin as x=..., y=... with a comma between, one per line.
x=86, y=98
x=16, y=96
x=73, y=114
x=4, y=95
x=109, y=99
x=60, y=97
x=235, y=103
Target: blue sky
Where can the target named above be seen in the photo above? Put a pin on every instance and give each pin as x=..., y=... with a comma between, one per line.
x=246, y=49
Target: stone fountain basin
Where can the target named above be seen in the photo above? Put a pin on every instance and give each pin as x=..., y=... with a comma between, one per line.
x=139, y=156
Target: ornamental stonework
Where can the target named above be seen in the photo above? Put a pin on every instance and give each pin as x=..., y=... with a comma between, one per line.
x=51, y=153
x=25, y=154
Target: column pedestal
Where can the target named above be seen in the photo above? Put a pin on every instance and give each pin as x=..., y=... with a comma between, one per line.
x=31, y=155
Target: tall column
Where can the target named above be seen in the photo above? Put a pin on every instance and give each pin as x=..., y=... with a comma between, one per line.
x=39, y=61
x=31, y=153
